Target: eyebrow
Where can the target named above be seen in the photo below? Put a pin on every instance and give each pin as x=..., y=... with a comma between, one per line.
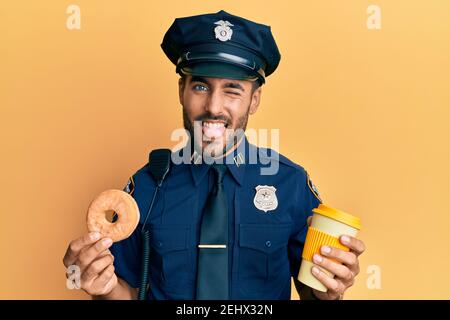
x=232, y=85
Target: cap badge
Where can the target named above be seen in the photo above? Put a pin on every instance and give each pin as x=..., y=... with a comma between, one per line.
x=265, y=198
x=223, y=31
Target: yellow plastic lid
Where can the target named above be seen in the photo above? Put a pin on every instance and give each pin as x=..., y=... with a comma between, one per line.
x=338, y=215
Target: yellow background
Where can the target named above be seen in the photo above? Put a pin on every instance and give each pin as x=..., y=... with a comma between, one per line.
x=366, y=112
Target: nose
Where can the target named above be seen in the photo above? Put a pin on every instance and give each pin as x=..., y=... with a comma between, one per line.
x=214, y=104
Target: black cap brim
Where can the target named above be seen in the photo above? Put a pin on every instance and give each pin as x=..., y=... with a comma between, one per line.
x=218, y=70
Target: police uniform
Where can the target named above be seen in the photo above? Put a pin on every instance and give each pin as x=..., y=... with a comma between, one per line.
x=267, y=213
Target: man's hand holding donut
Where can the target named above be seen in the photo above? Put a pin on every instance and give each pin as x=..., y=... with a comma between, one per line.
x=91, y=254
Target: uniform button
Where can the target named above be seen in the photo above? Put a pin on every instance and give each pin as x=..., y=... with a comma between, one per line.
x=268, y=244
x=159, y=243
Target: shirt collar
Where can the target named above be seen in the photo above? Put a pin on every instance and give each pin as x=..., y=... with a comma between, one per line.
x=235, y=161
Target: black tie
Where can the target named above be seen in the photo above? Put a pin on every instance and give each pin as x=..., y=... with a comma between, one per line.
x=212, y=271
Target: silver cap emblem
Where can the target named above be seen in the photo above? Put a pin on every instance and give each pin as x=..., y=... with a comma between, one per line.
x=223, y=31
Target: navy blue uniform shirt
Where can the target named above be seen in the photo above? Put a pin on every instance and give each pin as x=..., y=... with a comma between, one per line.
x=265, y=246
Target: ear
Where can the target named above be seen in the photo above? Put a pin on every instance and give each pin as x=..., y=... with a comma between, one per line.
x=256, y=97
x=181, y=84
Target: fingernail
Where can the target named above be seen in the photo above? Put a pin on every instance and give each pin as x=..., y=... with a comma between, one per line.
x=326, y=249
x=107, y=242
x=317, y=258
x=345, y=239
x=315, y=270
x=95, y=236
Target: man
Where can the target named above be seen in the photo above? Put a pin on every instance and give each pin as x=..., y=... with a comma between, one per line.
x=220, y=228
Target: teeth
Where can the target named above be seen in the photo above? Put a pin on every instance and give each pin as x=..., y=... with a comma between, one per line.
x=213, y=124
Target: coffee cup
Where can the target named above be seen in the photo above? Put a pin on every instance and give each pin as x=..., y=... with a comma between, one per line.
x=327, y=226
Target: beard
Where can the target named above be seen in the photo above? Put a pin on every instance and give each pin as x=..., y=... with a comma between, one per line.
x=231, y=137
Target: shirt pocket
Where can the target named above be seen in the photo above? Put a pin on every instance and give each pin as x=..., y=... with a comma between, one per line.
x=263, y=258
x=170, y=258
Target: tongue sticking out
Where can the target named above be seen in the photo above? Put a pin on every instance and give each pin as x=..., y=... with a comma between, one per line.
x=213, y=132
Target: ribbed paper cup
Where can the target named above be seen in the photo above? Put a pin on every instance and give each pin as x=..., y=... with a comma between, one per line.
x=327, y=225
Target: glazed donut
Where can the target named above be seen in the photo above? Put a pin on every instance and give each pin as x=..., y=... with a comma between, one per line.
x=123, y=205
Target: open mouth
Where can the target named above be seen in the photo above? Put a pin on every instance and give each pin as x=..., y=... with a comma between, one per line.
x=213, y=129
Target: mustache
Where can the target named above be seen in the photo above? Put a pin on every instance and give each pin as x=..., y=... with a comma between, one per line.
x=209, y=116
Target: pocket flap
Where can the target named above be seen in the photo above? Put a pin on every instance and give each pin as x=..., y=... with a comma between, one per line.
x=169, y=237
x=264, y=237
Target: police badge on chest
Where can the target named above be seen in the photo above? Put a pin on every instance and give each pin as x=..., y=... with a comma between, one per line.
x=265, y=198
